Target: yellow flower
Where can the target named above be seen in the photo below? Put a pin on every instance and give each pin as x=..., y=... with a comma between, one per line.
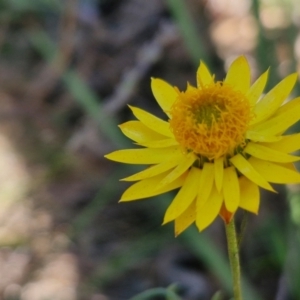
x=222, y=141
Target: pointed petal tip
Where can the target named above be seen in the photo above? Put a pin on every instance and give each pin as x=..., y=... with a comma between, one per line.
x=293, y=77
x=238, y=74
x=241, y=58
x=202, y=63
x=243, y=166
x=155, y=78
x=271, y=189
x=231, y=211
x=203, y=75
x=153, y=81
x=165, y=222
x=201, y=227
x=123, y=199
x=126, y=199
x=177, y=233
x=108, y=156
x=131, y=107
x=274, y=191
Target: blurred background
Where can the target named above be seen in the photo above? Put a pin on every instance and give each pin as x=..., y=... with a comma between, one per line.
x=68, y=69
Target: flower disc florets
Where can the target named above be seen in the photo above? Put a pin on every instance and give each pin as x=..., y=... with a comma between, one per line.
x=211, y=121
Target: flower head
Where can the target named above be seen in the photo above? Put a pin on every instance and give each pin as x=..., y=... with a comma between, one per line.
x=222, y=141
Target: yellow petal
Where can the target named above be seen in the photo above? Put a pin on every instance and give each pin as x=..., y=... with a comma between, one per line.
x=274, y=172
x=144, y=156
x=206, y=184
x=138, y=132
x=258, y=136
x=281, y=121
x=269, y=104
x=288, y=143
x=209, y=211
x=146, y=188
x=249, y=195
x=185, y=219
x=231, y=189
x=247, y=169
x=288, y=106
x=257, y=88
x=238, y=74
x=164, y=94
x=155, y=170
x=159, y=143
x=219, y=170
x=289, y=166
x=203, y=75
x=190, y=88
x=184, y=197
x=183, y=165
x=266, y=153
x=152, y=122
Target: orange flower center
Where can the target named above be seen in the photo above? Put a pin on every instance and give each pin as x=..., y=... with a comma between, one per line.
x=211, y=121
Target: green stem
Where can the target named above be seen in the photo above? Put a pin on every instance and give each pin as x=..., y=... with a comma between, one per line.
x=233, y=253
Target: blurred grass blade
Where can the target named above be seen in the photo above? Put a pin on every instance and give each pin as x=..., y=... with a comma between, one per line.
x=35, y=5
x=156, y=292
x=122, y=260
x=90, y=103
x=218, y=296
x=292, y=270
x=81, y=92
x=266, y=48
x=90, y=212
x=188, y=30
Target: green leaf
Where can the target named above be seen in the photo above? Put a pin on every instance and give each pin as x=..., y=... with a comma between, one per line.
x=218, y=296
